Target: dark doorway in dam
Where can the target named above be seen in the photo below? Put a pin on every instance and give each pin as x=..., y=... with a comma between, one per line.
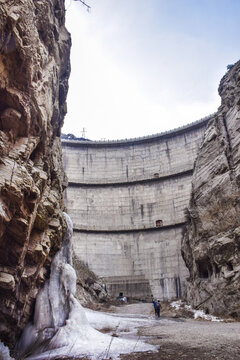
x=159, y=223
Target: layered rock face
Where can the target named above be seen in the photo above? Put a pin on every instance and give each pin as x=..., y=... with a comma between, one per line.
x=90, y=290
x=34, y=70
x=211, y=244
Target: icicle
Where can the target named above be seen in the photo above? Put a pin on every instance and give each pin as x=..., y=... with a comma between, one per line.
x=60, y=327
x=53, y=301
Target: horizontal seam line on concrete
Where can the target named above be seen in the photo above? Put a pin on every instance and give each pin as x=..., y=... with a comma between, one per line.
x=159, y=179
x=161, y=228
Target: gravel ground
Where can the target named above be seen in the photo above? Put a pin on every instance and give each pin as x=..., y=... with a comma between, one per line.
x=182, y=338
x=210, y=340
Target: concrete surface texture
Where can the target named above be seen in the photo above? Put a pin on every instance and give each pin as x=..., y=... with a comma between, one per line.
x=126, y=199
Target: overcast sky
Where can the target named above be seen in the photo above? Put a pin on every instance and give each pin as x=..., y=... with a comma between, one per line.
x=140, y=67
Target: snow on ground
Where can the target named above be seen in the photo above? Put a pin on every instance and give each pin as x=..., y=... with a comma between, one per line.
x=196, y=313
x=118, y=322
x=79, y=336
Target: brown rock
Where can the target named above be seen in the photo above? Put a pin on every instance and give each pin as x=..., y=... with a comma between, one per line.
x=7, y=281
x=211, y=243
x=34, y=67
x=90, y=289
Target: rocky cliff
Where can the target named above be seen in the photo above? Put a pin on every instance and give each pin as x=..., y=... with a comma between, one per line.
x=211, y=244
x=34, y=70
x=90, y=290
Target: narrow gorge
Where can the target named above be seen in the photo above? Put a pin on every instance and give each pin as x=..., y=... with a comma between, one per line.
x=157, y=215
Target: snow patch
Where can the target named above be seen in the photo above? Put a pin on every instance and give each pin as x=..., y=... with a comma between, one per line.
x=196, y=313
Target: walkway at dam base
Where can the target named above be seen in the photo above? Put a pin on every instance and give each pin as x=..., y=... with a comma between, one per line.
x=127, y=199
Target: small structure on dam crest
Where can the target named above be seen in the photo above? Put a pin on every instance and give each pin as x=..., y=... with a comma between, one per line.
x=126, y=199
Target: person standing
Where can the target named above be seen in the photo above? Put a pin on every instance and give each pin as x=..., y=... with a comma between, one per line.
x=154, y=304
x=157, y=308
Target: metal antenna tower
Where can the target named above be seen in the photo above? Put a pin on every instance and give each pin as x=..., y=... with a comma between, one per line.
x=84, y=133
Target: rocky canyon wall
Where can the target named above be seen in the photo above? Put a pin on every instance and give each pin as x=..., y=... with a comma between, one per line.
x=34, y=71
x=211, y=245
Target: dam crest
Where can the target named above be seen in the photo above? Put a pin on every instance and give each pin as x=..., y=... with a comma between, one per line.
x=127, y=199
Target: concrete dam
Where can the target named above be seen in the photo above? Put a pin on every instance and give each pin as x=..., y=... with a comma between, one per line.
x=126, y=199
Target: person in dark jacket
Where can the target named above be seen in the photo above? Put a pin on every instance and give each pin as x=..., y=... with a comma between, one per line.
x=157, y=308
x=154, y=304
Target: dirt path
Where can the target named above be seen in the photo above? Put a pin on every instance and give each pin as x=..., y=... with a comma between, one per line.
x=181, y=338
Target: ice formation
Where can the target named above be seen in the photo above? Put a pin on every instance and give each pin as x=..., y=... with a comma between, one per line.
x=4, y=352
x=60, y=326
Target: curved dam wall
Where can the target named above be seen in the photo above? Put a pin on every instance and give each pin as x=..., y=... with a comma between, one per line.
x=126, y=199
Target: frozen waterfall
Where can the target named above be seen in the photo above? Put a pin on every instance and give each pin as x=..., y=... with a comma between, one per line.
x=60, y=327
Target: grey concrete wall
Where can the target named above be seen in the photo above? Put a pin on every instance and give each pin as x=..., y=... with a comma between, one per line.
x=133, y=160
x=117, y=191
x=132, y=206
x=153, y=255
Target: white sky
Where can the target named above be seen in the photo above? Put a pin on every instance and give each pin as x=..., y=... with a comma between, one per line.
x=140, y=67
